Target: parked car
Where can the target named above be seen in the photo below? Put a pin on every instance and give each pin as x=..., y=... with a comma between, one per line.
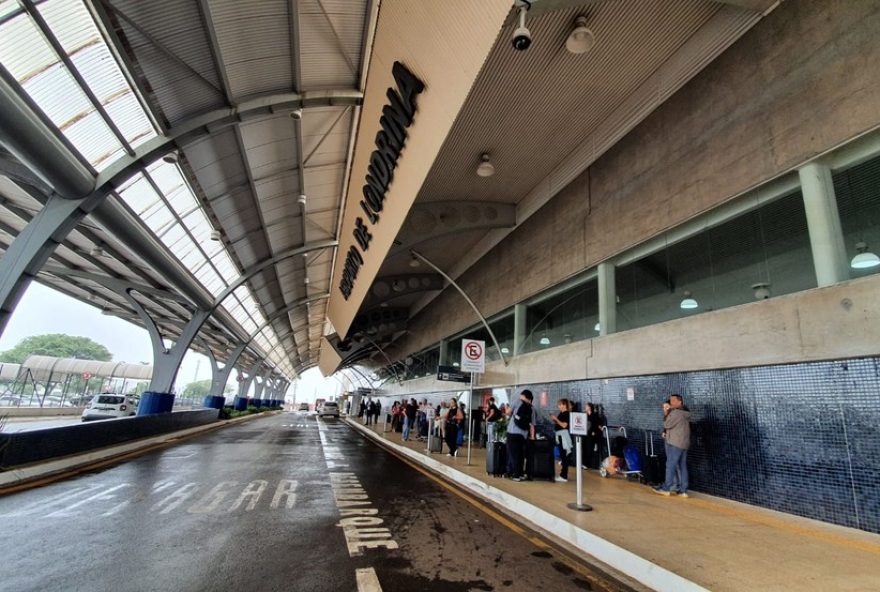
x=329, y=408
x=109, y=405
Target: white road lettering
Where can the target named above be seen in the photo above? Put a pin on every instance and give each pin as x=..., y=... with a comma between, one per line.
x=361, y=527
x=175, y=499
x=253, y=491
x=213, y=498
x=286, y=488
x=101, y=495
x=367, y=580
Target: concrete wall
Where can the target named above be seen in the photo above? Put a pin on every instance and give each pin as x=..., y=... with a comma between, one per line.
x=799, y=84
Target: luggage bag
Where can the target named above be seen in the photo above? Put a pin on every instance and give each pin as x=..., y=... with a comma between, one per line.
x=543, y=460
x=496, y=458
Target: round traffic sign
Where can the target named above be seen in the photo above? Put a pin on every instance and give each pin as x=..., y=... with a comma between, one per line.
x=86, y=375
x=473, y=351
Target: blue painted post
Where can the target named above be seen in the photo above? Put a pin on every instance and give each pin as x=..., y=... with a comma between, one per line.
x=152, y=403
x=214, y=402
x=240, y=403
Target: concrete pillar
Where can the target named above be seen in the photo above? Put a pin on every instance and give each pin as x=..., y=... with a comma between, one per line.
x=444, y=352
x=519, y=328
x=607, y=299
x=823, y=222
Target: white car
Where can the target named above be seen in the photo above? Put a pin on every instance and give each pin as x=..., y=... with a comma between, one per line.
x=109, y=405
x=329, y=408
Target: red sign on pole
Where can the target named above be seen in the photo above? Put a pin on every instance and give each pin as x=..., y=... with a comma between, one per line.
x=86, y=375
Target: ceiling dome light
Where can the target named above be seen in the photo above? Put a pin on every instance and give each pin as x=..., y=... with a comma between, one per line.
x=302, y=198
x=171, y=158
x=215, y=235
x=762, y=290
x=505, y=350
x=485, y=168
x=688, y=303
x=545, y=340
x=864, y=258
x=597, y=327
x=581, y=39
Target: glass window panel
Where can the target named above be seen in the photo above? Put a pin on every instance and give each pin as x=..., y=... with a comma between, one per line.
x=763, y=253
x=858, y=201
x=225, y=266
x=562, y=318
x=209, y=278
x=139, y=195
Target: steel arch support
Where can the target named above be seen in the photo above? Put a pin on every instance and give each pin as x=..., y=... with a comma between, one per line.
x=34, y=245
x=220, y=376
x=166, y=361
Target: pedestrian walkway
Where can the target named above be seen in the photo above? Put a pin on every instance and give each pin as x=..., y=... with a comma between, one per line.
x=710, y=542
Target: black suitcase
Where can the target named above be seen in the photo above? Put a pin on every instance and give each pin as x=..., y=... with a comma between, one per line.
x=655, y=471
x=496, y=458
x=543, y=460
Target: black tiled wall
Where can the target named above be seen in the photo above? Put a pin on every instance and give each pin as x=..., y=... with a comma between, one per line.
x=799, y=438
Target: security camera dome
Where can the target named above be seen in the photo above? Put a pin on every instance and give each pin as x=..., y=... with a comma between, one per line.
x=522, y=39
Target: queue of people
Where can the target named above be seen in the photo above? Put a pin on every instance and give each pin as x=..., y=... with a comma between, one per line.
x=449, y=420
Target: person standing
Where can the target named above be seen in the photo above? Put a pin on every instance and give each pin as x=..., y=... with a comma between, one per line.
x=521, y=427
x=491, y=415
x=409, y=418
x=453, y=423
x=677, y=432
x=594, y=438
x=563, y=437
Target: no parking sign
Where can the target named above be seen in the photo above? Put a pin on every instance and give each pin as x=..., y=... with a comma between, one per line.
x=473, y=355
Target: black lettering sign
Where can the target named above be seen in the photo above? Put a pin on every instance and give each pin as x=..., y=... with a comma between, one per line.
x=390, y=141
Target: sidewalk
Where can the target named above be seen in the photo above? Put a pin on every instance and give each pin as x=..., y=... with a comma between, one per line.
x=670, y=543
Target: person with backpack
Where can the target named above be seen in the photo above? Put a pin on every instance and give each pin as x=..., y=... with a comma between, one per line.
x=522, y=427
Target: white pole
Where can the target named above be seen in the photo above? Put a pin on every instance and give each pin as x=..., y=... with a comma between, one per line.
x=470, y=421
x=578, y=504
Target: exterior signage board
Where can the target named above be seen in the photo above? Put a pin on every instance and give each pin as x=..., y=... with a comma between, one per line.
x=473, y=355
x=578, y=425
x=452, y=374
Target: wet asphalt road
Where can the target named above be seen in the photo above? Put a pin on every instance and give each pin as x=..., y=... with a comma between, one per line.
x=284, y=503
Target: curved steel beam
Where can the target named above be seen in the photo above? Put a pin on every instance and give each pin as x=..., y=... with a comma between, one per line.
x=467, y=298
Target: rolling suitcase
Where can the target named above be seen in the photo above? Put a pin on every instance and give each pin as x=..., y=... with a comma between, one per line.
x=654, y=469
x=542, y=460
x=436, y=443
x=496, y=458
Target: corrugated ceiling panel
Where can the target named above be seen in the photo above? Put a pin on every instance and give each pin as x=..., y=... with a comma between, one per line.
x=322, y=63
x=578, y=92
x=178, y=27
x=254, y=40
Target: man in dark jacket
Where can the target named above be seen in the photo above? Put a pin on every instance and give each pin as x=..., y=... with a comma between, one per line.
x=677, y=431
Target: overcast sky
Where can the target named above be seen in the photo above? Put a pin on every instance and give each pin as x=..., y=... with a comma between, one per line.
x=43, y=310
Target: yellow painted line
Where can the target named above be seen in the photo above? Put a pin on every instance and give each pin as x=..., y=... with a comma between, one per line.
x=754, y=517
x=537, y=541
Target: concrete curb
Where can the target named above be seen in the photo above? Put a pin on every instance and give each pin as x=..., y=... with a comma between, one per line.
x=19, y=476
x=626, y=562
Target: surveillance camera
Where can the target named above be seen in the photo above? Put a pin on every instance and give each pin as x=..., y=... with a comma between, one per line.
x=296, y=114
x=522, y=38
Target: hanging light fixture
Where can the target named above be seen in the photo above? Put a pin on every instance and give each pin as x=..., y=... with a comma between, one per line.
x=581, y=39
x=762, y=290
x=96, y=251
x=414, y=262
x=505, y=350
x=485, y=168
x=597, y=327
x=215, y=235
x=301, y=199
x=544, y=340
x=864, y=258
x=688, y=303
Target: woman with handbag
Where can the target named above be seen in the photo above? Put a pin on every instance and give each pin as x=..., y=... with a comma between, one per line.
x=563, y=437
x=454, y=423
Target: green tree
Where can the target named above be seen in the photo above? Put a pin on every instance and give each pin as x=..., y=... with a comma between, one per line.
x=56, y=345
x=199, y=389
